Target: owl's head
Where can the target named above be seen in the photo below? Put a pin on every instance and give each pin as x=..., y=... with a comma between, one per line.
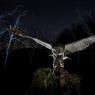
x=58, y=50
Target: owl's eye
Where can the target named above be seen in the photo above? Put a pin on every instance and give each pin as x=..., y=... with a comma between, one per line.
x=58, y=50
x=54, y=51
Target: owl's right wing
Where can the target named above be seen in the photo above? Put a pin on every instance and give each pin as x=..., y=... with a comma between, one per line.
x=48, y=46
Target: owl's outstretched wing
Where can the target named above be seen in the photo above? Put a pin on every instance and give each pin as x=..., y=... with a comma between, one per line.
x=38, y=41
x=43, y=43
x=79, y=45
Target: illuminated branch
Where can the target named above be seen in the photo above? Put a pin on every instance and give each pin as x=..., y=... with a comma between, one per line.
x=12, y=32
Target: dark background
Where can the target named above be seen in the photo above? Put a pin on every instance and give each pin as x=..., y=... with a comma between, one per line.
x=46, y=19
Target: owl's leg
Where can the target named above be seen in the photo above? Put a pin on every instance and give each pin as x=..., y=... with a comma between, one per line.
x=62, y=63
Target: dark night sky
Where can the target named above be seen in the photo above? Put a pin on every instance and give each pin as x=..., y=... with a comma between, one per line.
x=50, y=17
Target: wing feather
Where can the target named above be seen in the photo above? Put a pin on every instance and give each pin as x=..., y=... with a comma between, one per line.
x=43, y=43
x=79, y=45
x=39, y=42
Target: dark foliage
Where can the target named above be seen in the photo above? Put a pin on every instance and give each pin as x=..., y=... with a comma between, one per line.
x=45, y=82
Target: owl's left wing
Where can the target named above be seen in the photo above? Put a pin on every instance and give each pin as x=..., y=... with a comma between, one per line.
x=79, y=45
